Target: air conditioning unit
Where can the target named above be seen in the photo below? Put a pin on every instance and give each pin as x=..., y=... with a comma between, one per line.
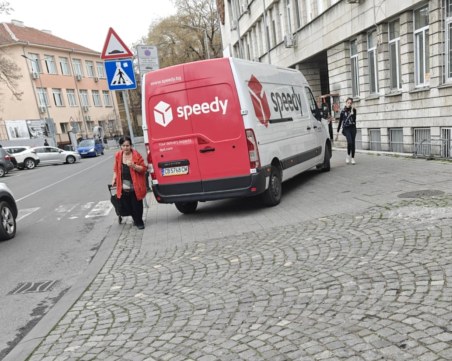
x=245, y=9
x=85, y=108
x=35, y=75
x=78, y=77
x=353, y=1
x=233, y=24
x=96, y=79
x=256, y=59
x=87, y=118
x=42, y=109
x=289, y=41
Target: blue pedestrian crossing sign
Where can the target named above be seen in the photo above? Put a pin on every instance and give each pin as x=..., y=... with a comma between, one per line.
x=120, y=74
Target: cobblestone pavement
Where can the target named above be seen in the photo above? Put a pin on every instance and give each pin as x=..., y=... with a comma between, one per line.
x=373, y=284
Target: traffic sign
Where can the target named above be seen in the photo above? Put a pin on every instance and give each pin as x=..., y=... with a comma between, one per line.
x=114, y=47
x=148, y=59
x=120, y=74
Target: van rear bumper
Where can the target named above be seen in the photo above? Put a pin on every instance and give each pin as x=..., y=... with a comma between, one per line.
x=216, y=189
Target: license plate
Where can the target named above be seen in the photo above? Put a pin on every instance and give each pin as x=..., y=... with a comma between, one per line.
x=166, y=172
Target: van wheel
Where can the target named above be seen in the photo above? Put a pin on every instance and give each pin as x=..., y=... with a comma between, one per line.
x=186, y=207
x=272, y=196
x=326, y=166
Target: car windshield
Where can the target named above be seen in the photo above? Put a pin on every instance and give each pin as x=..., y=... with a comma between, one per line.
x=86, y=143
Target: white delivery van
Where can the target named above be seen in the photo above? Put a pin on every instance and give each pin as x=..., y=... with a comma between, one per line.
x=226, y=128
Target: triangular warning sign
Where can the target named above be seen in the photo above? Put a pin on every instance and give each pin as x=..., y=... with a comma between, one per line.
x=114, y=47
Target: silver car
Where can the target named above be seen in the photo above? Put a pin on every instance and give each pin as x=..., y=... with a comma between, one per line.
x=53, y=155
x=8, y=213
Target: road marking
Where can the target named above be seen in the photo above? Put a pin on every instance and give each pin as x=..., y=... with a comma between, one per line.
x=25, y=212
x=100, y=209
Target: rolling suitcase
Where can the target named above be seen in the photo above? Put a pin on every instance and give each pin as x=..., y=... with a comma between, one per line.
x=120, y=212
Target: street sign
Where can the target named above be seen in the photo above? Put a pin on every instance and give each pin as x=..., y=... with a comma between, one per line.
x=148, y=59
x=114, y=47
x=120, y=74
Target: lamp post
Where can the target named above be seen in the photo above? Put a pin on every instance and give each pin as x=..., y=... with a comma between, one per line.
x=45, y=98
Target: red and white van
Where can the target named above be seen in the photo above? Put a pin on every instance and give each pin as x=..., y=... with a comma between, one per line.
x=226, y=128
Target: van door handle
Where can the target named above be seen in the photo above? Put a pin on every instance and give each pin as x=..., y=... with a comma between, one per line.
x=308, y=128
x=315, y=126
x=205, y=150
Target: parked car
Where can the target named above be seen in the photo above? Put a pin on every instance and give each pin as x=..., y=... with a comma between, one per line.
x=90, y=148
x=8, y=213
x=54, y=155
x=25, y=156
x=6, y=163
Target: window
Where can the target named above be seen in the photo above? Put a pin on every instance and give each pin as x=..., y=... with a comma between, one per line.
x=107, y=99
x=35, y=63
x=100, y=70
x=448, y=27
x=372, y=59
x=89, y=68
x=50, y=64
x=394, y=55
x=64, y=127
x=396, y=140
x=57, y=97
x=296, y=11
x=71, y=99
x=64, y=66
x=289, y=16
x=77, y=64
x=42, y=96
x=421, y=46
x=84, y=98
x=96, y=98
x=355, y=69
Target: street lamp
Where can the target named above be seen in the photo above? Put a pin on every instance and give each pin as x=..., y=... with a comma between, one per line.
x=37, y=97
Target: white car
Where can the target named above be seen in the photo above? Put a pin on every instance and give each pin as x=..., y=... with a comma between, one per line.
x=25, y=156
x=8, y=213
x=53, y=155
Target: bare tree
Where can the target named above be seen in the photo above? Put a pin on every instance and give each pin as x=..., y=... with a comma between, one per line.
x=192, y=34
x=9, y=71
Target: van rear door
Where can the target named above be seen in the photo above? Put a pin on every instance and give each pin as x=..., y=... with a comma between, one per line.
x=196, y=130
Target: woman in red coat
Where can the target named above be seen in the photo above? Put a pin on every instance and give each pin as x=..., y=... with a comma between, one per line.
x=129, y=176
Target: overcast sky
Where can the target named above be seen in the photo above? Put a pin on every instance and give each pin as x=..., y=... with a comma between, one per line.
x=86, y=22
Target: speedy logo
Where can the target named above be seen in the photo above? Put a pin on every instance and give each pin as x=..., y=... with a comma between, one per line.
x=216, y=106
x=163, y=114
x=259, y=99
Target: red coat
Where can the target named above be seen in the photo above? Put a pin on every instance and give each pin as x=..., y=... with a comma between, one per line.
x=138, y=178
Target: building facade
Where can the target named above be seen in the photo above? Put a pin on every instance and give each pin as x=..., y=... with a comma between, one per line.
x=65, y=94
x=393, y=57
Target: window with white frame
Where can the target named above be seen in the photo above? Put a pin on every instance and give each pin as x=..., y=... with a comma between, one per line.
x=107, y=98
x=57, y=97
x=96, y=98
x=42, y=97
x=35, y=63
x=100, y=70
x=64, y=66
x=354, y=67
x=71, y=98
x=421, y=46
x=84, y=98
x=448, y=27
x=77, y=65
x=394, y=55
x=289, y=16
x=89, y=68
x=50, y=64
x=372, y=61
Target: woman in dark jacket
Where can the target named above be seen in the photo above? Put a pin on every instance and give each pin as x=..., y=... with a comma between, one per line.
x=347, y=121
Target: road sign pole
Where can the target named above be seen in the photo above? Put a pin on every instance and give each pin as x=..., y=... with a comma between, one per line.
x=125, y=96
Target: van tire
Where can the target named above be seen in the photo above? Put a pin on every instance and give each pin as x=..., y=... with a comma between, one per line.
x=186, y=207
x=273, y=194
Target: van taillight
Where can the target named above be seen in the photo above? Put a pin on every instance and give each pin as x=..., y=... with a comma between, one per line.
x=253, y=152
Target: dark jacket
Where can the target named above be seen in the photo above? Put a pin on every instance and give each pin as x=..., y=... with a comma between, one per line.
x=344, y=115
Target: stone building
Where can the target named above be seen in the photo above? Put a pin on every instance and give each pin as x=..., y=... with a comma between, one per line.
x=64, y=90
x=393, y=57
